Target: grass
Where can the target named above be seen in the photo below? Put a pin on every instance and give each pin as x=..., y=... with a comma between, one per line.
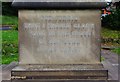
x=112, y=34
x=6, y=59
x=9, y=46
x=9, y=20
x=116, y=50
x=10, y=36
x=9, y=40
x=110, y=37
x=108, y=33
x=102, y=58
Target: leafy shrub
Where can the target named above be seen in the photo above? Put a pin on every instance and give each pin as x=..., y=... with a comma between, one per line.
x=112, y=21
x=9, y=48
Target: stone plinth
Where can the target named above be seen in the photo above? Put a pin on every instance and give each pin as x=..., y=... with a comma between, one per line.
x=59, y=41
x=61, y=72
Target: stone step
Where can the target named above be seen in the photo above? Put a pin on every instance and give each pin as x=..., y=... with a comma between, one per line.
x=49, y=80
x=59, y=72
x=80, y=74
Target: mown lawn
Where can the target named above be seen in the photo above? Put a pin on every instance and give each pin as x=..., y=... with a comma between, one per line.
x=8, y=20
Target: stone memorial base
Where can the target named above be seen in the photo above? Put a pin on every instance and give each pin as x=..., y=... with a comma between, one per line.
x=59, y=72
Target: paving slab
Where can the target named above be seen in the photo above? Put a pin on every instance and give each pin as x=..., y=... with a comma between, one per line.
x=111, y=63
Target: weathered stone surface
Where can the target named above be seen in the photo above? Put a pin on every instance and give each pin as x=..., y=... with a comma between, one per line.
x=57, y=67
x=59, y=36
x=92, y=71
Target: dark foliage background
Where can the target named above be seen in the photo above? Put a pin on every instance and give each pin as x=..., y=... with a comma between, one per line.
x=8, y=10
x=112, y=21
